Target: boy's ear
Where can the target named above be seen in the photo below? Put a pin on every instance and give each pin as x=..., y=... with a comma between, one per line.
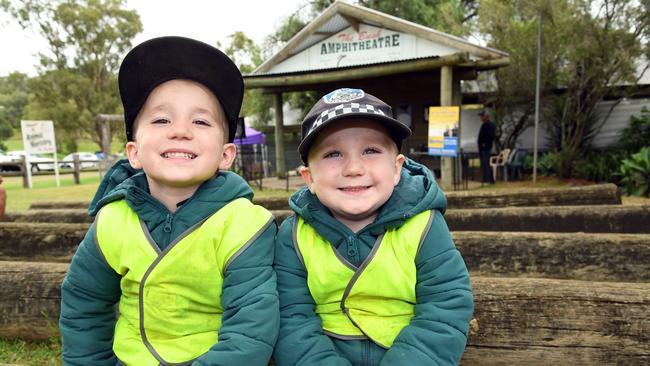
x=399, y=161
x=228, y=156
x=132, y=155
x=305, y=173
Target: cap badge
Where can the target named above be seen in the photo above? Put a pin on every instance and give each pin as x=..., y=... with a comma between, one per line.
x=343, y=95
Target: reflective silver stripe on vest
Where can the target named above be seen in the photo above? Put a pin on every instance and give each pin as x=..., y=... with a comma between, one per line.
x=425, y=232
x=248, y=243
x=345, y=337
x=354, y=279
x=161, y=255
x=294, y=235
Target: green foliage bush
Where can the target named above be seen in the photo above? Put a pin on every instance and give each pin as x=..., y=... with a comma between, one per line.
x=637, y=135
x=605, y=166
x=599, y=166
x=635, y=173
x=546, y=163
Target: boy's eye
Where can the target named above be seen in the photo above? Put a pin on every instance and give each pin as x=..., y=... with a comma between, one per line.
x=371, y=150
x=160, y=121
x=331, y=154
x=202, y=122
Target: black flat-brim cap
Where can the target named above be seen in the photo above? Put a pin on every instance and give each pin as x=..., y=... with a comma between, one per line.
x=158, y=60
x=342, y=104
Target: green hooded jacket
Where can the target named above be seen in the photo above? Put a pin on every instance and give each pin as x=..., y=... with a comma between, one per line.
x=436, y=335
x=91, y=289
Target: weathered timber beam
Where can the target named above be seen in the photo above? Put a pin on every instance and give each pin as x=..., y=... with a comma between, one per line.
x=532, y=321
x=30, y=295
x=536, y=320
x=599, y=194
x=76, y=216
x=44, y=242
x=270, y=203
x=600, y=257
x=68, y=216
x=356, y=73
x=594, y=219
x=578, y=256
x=591, y=219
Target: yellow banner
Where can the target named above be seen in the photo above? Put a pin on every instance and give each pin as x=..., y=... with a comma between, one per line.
x=443, y=121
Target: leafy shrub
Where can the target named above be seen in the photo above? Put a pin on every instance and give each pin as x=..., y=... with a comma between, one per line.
x=546, y=163
x=637, y=135
x=599, y=166
x=635, y=173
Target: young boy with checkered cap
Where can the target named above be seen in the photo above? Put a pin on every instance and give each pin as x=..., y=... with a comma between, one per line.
x=177, y=267
x=367, y=270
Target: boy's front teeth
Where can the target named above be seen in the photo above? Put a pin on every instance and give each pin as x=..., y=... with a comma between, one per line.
x=176, y=155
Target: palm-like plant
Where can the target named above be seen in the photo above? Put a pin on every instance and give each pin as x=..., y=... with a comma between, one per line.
x=635, y=173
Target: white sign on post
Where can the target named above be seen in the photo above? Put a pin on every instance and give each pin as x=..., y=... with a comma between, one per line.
x=38, y=138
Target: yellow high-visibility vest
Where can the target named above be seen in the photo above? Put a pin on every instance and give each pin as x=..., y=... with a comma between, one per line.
x=375, y=300
x=170, y=307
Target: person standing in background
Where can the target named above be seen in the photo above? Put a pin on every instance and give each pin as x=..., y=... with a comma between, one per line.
x=485, y=140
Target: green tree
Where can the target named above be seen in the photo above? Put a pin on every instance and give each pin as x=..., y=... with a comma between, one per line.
x=588, y=47
x=14, y=95
x=449, y=16
x=87, y=39
x=247, y=56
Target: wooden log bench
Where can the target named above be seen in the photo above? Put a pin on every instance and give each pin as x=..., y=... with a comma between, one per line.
x=271, y=203
x=519, y=320
x=596, y=219
x=592, y=219
x=600, y=257
x=532, y=321
x=601, y=194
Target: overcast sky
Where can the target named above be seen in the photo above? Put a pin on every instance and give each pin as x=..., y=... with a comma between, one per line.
x=208, y=21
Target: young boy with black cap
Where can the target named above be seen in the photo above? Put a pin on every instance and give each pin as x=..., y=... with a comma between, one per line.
x=367, y=270
x=176, y=246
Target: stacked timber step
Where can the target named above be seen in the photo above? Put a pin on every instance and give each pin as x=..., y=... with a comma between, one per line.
x=560, y=276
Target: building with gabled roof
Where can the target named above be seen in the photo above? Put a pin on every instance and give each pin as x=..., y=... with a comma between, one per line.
x=409, y=66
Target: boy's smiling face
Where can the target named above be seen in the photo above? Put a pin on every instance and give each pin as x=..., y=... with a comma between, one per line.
x=180, y=140
x=353, y=168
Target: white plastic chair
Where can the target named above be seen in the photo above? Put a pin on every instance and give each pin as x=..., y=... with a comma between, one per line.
x=500, y=160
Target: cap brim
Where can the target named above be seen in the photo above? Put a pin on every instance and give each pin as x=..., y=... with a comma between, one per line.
x=397, y=130
x=166, y=58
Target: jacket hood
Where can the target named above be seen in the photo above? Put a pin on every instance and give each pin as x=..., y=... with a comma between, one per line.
x=124, y=182
x=417, y=191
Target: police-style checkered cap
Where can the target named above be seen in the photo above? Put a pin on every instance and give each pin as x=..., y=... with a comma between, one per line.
x=347, y=103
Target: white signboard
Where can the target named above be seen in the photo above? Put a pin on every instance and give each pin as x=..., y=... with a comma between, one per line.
x=38, y=137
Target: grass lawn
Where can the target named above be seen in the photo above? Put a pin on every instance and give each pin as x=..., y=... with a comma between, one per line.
x=19, y=352
x=16, y=143
x=45, y=189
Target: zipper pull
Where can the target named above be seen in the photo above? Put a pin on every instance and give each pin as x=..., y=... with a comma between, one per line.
x=168, y=224
x=352, y=251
